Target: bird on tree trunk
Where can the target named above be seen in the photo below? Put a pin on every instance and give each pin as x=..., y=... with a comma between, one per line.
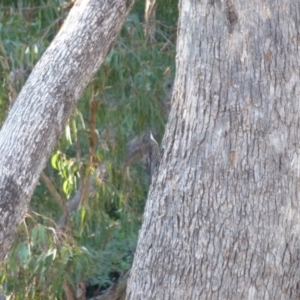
x=153, y=153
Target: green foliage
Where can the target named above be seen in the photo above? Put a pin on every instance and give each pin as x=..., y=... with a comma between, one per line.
x=26, y=30
x=66, y=168
x=97, y=243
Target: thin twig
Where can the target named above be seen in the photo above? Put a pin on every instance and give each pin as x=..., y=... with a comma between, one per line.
x=93, y=143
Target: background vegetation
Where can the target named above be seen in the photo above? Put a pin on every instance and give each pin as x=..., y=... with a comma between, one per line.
x=127, y=97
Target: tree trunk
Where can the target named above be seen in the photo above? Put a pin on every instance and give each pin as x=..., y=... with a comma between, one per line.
x=38, y=116
x=223, y=212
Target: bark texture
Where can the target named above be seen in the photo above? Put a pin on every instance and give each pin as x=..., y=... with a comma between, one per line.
x=38, y=116
x=223, y=212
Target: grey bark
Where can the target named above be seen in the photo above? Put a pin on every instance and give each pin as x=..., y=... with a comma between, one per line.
x=38, y=116
x=223, y=212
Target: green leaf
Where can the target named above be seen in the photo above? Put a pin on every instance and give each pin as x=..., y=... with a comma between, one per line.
x=54, y=161
x=52, y=252
x=82, y=215
x=66, y=187
x=74, y=128
x=68, y=134
x=24, y=253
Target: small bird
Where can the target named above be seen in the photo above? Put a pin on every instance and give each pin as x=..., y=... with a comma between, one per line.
x=153, y=153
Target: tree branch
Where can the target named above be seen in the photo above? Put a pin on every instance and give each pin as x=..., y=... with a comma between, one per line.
x=93, y=143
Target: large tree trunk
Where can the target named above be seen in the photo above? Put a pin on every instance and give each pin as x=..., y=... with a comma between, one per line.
x=39, y=114
x=223, y=213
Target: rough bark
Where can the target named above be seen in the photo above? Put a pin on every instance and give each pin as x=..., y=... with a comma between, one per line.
x=38, y=116
x=223, y=212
